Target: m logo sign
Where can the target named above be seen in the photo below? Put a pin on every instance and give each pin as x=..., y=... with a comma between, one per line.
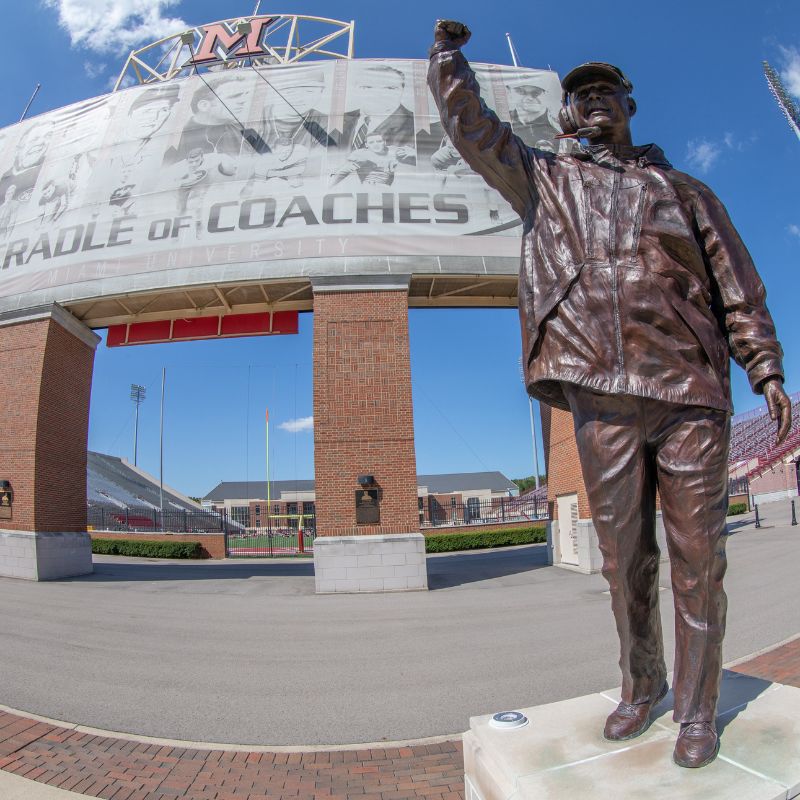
x=222, y=41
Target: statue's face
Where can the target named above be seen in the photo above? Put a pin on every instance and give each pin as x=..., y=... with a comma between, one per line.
x=604, y=104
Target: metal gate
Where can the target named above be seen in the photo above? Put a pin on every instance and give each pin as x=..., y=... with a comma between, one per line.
x=281, y=537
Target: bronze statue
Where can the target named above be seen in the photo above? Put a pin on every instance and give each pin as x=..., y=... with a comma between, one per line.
x=634, y=292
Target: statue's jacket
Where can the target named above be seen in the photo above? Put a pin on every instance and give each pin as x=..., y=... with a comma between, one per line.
x=633, y=279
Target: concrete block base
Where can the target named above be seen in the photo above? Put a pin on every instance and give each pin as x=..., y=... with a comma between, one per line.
x=585, y=555
x=561, y=752
x=391, y=563
x=38, y=556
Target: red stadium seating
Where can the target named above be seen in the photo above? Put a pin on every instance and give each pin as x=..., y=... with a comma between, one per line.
x=753, y=437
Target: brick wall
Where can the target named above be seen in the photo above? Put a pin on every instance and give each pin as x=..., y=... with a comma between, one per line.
x=778, y=478
x=45, y=384
x=563, y=466
x=363, y=421
x=739, y=498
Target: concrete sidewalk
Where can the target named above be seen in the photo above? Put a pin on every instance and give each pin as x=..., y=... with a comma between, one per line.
x=50, y=756
x=245, y=652
x=153, y=648
x=12, y=787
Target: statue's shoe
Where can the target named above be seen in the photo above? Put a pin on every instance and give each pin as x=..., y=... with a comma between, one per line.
x=631, y=720
x=697, y=745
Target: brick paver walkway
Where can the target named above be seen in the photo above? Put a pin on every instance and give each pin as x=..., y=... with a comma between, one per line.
x=119, y=769
x=781, y=665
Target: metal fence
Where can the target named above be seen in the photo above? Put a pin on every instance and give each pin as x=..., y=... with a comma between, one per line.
x=143, y=519
x=270, y=542
x=434, y=513
x=280, y=538
x=739, y=485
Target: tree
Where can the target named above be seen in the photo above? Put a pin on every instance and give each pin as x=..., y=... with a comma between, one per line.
x=525, y=484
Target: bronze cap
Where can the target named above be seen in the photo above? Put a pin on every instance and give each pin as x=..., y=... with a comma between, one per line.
x=600, y=68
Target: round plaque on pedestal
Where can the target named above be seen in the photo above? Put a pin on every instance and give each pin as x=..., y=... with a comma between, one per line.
x=508, y=720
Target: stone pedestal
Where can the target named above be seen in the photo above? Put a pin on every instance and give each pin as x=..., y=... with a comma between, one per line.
x=392, y=563
x=579, y=550
x=561, y=753
x=37, y=556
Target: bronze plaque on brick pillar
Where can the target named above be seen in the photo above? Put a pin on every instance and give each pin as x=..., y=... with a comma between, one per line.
x=368, y=510
x=6, y=500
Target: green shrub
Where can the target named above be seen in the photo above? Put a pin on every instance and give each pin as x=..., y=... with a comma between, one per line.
x=145, y=548
x=447, y=542
x=736, y=508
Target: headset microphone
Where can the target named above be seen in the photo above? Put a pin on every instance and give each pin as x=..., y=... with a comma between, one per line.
x=580, y=133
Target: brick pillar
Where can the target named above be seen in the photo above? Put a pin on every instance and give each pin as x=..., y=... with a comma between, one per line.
x=45, y=383
x=564, y=474
x=363, y=425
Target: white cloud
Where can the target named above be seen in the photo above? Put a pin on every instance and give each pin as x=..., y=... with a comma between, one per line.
x=93, y=70
x=794, y=230
x=108, y=25
x=702, y=154
x=790, y=74
x=297, y=425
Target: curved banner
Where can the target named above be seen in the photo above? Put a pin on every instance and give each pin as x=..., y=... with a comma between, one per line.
x=256, y=173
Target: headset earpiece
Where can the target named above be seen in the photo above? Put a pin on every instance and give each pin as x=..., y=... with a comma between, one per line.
x=566, y=117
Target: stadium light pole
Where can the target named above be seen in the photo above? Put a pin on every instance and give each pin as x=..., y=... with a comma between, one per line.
x=269, y=498
x=138, y=397
x=782, y=98
x=161, y=446
x=533, y=426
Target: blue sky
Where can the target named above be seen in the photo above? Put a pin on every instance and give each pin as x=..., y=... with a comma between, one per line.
x=696, y=68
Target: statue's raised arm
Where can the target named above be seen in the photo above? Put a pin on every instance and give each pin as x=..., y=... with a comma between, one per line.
x=486, y=144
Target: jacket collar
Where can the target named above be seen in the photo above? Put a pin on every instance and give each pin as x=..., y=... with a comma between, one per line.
x=644, y=155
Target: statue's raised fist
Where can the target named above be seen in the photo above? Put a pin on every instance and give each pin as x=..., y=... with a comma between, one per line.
x=450, y=30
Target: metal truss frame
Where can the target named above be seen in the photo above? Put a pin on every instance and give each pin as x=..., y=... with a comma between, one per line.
x=284, y=39
x=285, y=294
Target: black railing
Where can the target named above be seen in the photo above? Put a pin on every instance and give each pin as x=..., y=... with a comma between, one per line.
x=434, y=513
x=271, y=541
x=738, y=485
x=144, y=519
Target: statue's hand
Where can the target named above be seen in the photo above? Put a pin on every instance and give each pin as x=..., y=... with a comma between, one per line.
x=779, y=405
x=448, y=30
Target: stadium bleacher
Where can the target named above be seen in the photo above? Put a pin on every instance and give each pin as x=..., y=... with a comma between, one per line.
x=112, y=481
x=753, y=437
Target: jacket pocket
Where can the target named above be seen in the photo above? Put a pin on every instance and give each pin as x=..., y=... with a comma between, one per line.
x=541, y=296
x=704, y=328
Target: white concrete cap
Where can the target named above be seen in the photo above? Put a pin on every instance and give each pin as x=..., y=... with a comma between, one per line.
x=562, y=752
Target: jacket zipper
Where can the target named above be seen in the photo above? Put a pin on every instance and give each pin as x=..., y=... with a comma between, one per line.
x=612, y=250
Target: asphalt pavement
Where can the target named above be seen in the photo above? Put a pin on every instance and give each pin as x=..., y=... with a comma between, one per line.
x=244, y=652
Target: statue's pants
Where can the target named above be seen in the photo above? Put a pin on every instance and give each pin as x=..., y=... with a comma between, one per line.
x=628, y=446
